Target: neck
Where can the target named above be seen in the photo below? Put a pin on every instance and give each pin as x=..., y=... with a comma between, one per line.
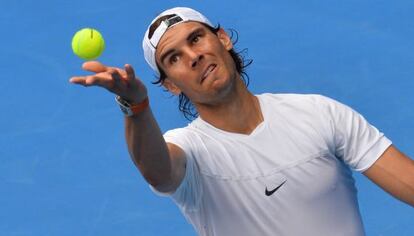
x=238, y=112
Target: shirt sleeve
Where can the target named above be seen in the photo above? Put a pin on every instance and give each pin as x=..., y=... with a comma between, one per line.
x=188, y=194
x=357, y=143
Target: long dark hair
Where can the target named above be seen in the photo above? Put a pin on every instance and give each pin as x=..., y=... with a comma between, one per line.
x=185, y=105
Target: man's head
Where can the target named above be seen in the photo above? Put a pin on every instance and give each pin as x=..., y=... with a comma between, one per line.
x=161, y=24
x=192, y=58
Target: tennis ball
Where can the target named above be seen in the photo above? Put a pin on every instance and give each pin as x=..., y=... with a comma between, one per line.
x=88, y=44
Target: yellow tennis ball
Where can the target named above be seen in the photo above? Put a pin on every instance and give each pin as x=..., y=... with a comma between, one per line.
x=88, y=44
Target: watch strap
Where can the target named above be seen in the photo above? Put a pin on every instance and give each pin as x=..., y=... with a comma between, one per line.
x=139, y=107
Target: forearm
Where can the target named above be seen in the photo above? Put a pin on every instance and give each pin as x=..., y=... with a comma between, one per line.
x=402, y=189
x=147, y=147
x=146, y=144
x=394, y=172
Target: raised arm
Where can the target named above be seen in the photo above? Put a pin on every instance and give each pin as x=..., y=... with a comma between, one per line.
x=394, y=172
x=161, y=164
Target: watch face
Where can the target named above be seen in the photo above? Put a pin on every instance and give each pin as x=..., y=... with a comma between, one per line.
x=122, y=102
x=124, y=110
x=125, y=107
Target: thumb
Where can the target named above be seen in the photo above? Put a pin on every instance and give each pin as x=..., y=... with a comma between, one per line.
x=130, y=72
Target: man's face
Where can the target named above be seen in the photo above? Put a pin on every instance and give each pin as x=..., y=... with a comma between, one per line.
x=196, y=62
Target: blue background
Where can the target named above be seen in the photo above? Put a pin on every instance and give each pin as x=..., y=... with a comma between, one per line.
x=64, y=166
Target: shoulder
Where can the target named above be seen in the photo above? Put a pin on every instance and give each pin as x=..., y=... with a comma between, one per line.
x=189, y=130
x=313, y=102
x=187, y=138
x=294, y=97
x=177, y=133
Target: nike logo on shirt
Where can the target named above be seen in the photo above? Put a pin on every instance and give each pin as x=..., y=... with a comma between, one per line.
x=268, y=193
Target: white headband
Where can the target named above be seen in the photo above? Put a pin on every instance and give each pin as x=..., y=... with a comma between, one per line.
x=181, y=14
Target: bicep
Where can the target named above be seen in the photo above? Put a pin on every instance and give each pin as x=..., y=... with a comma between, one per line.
x=394, y=172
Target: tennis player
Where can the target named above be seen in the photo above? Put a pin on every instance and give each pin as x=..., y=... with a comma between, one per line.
x=266, y=164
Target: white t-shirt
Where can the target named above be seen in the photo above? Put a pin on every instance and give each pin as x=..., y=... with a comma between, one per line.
x=290, y=176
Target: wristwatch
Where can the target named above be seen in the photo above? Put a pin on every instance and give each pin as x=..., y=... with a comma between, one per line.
x=131, y=109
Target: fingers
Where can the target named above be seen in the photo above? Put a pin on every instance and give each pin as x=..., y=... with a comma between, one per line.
x=116, y=80
x=102, y=80
x=85, y=80
x=102, y=74
x=77, y=80
x=94, y=66
x=115, y=74
x=110, y=79
x=130, y=72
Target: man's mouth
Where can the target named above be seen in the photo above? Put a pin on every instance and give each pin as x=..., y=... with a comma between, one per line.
x=208, y=71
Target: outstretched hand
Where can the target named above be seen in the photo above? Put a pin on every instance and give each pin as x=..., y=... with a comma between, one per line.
x=122, y=82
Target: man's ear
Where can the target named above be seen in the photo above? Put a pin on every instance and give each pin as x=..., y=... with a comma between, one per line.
x=225, y=39
x=170, y=86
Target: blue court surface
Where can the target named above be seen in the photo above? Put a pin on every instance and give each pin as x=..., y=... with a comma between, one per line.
x=64, y=166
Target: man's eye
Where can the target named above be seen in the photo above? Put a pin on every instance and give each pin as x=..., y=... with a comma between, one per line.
x=173, y=59
x=196, y=39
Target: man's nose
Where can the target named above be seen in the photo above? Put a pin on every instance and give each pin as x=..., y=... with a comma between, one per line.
x=195, y=57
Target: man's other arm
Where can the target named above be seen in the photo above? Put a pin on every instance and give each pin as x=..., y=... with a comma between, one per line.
x=394, y=172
